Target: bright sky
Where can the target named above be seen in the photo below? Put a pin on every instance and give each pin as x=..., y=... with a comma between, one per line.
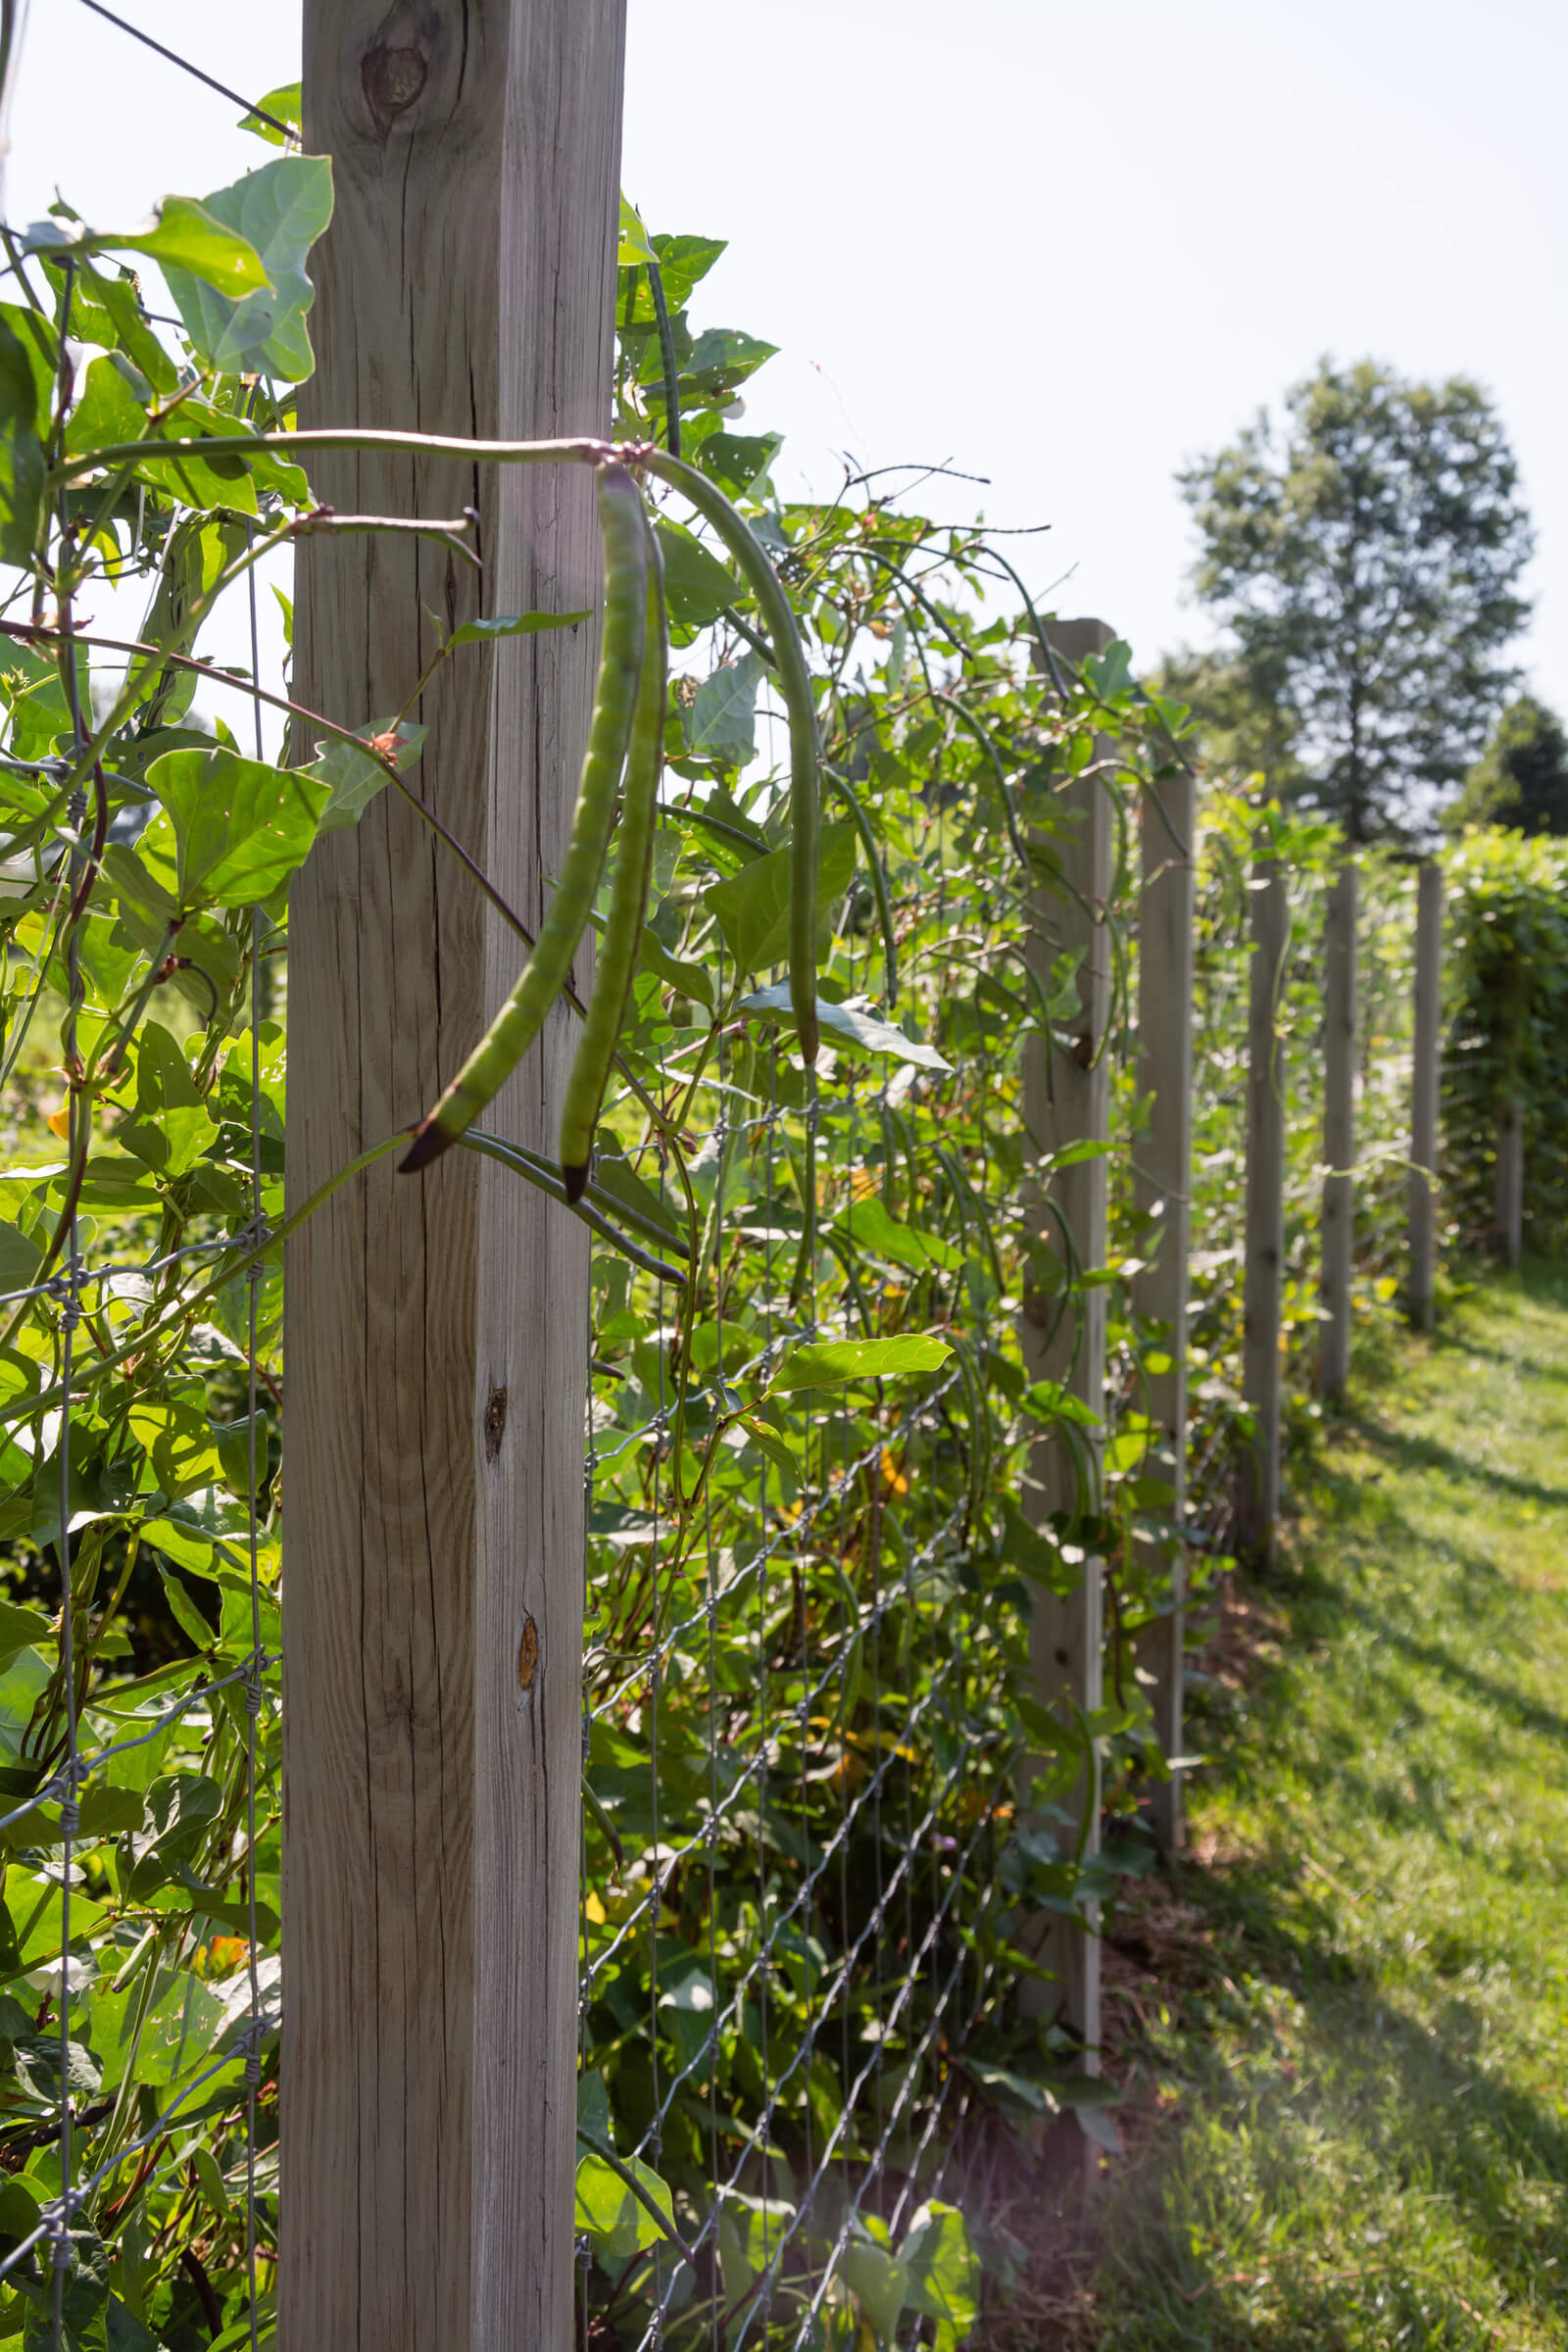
x=1063, y=246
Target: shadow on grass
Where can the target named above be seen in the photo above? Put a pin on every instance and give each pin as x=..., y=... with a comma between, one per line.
x=1411, y=2106
x=1416, y=2105
x=1430, y=1454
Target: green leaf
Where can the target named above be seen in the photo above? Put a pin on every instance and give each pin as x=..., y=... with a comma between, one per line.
x=618, y=2223
x=684, y=262
x=825, y=1363
x=697, y=586
x=147, y=904
x=878, y=2281
x=109, y=1812
x=1110, y=673
x=280, y=212
x=182, y=1807
x=21, y=467
x=722, y=720
x=20, y=1258
x=240, y=829
x=944, y=2270
x=725, y=358
x=1049, y=1401
x=514, y=625
x=593, y=2107
x=614, y=1174
x=33, y=1902
x=690, y=979
x=866, y=1226
x=865, y=1029
x=767, y=1440
x=17, y=1628
x=635, y=243
x=180, y=2030
x=183, y=235
x=286, y=103
x=355, y=778
x=739, y=462
x=753, y=906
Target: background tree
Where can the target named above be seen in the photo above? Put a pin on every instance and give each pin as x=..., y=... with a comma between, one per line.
x=1521, y=778
x=1364, y=554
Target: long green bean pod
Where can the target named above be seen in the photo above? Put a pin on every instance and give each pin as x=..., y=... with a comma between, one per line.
x=548, y=968
x=795, y=679
x=628, y=896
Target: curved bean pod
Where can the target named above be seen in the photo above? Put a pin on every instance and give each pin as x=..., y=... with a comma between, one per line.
x=629, y=897
x=795, y=678
x=548, y=968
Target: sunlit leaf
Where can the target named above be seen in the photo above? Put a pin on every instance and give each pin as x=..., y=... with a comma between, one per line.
x=827, y=1363
x=279, y=210
x=241, y=828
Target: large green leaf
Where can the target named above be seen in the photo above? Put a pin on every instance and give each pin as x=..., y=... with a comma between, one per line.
x=179, y=2031
x=865, y=1029
x=868, y=1227
x=608, y=2212
x=753, y=906
x=279, y=210
x=829, y=1363
x=21, y=451
x=697, y=586
x=942, y=2267
x=722, y=720
x=878, y=2281
x=183, y=235
x=241, y=828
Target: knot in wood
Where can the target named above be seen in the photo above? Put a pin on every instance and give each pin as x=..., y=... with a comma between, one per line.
x=392, y=80
x=527, y=1655
x=1083, y=1050
x=494, y=1422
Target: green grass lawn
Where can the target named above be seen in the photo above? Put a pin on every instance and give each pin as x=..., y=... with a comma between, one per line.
x=1362, y=2076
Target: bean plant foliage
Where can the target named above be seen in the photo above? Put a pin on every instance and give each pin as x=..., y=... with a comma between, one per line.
x=823, y=816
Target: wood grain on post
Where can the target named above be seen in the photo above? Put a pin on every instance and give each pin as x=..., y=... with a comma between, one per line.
x=436, y=1325
x=1164, y=1178
x=1066, y=1637
x=1264, y=1274
x=1339, y=1133
x=1509, y=1197
x=1423, y=1095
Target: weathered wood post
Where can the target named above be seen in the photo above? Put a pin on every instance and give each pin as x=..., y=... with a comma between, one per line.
x=436, y=1324
x=1339, y=1132
x=1264, y=1271
x=1163, y=1192
x=1509, y=1196
x=1066, y=1637
x=1424, y=1081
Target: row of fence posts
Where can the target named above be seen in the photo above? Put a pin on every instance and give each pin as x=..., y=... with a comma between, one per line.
x=1067, y=1632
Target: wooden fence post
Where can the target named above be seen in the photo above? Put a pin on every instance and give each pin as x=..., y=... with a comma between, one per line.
x=1424, y=1092
x=436, y=1325
x=1261, y=1382
x=1510, y=1182
x=1339, y=1132
x=1066, y=1635
x=1163, y=1191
